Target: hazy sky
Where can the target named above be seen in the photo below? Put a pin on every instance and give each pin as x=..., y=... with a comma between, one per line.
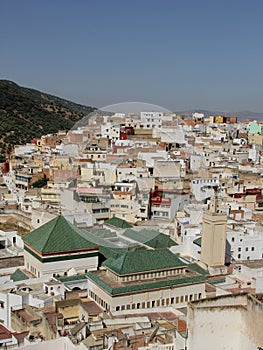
x=180, y=54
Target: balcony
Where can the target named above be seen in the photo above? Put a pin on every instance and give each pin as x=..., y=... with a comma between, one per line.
x=159, y=201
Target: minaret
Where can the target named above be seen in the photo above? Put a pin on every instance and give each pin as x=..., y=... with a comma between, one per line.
x=213, y=247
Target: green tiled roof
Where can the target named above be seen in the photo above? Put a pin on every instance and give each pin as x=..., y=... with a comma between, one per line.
x=104, y=233
x=111, y=252
x=198, y=241
x=118, y=223
x=92, y=236
x=57, y=235
x=72, y=278
x=102, y=238
x=143, y=260
x=198, y=269
x=18, y=275
x=151, y=238
x=145, y=286
x=222, y=280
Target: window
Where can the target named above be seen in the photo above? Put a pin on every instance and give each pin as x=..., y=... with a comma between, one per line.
x=239, y=256
x=246, y=249
x=239, y=249
x=252, y=249
x=233, y=239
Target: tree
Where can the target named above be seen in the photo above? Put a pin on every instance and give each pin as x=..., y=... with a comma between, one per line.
x=40, y=182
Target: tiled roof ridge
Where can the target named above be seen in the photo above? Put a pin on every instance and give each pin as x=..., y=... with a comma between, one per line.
x=52, y=230
x=137, y=261
x=50, y=224
x=123, y=257
x=57, y=235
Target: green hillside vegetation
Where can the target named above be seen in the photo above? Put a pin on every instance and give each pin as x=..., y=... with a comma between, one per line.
x=26, y=113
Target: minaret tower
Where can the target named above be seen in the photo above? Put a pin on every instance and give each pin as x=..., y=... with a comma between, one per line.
x=213, y=248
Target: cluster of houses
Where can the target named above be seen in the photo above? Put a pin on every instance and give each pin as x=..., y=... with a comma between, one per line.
x=136, y=231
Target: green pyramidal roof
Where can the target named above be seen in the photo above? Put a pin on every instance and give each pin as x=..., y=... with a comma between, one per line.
x=117, y=222
x=151, y=238
x=143, y=260
x=57, y=235
x=18, y=275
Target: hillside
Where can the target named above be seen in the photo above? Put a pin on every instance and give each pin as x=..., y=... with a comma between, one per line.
x=26, y=113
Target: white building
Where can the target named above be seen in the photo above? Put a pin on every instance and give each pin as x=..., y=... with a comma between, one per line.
x=227, y=322
x=145, y=279
x=249, y=272
x=198, y=116
x=174, y=134
x=203, y=189
x=10, y=239
x=103, y=172
x=110, y=131
x=245, y=243
x=152, y=119
x=56, y=248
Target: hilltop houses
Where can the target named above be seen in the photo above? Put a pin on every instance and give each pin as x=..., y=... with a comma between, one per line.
x=130, y=216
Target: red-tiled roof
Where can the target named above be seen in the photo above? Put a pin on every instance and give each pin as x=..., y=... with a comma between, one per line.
x=181, y=326
x=4, y=333
x=209, y=288
x=20, y=336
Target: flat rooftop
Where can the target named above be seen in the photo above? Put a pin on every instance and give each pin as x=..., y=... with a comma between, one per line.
x=11, y=261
